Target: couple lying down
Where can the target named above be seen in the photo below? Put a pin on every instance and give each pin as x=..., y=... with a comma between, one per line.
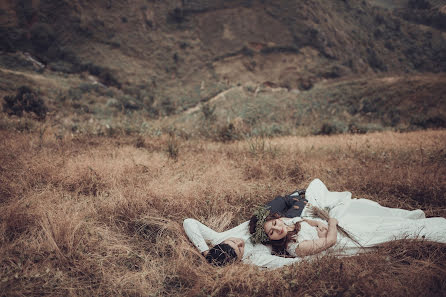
x=286, y=227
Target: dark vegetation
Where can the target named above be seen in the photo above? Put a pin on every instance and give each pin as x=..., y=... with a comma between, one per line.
x=25, y=101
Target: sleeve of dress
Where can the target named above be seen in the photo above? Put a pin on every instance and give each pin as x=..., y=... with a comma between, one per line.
x=198, y=233
x=293, y=245
x=291, y=248
x=264, y=259
x=318, y=195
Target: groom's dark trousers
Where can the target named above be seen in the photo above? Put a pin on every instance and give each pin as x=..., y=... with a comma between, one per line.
x=289, y=206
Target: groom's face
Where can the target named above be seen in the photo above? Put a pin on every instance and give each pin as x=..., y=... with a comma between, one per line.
x=238, y=245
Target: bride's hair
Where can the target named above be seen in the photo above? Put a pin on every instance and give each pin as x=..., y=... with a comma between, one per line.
x=279, y=246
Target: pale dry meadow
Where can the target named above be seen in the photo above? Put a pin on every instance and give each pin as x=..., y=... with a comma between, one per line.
x=97, y=216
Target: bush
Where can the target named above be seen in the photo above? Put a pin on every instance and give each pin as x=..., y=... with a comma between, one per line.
x=24, y=11
x=167, y=106
x=419, y=4
x=129, y=103
x=42, y=37
x=172, y=147
x=25, y=101
x=12, y=39
x=227, y=133
x=176, y=16
x=61, y=66
x=14, y=61
x=208, y=112
x=330, y=129
x=428, y=122
x=374, y=61
x=106, y=76
x=75, y=93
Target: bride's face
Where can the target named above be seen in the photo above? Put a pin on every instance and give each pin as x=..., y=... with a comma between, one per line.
x=275, y=229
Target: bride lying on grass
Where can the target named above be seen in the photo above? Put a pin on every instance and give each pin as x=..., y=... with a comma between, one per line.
x=369, y=223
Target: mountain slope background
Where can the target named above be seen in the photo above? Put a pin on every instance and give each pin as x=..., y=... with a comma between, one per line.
x=133, y=64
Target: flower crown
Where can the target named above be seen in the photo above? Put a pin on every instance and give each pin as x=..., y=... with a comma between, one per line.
x=259, y=236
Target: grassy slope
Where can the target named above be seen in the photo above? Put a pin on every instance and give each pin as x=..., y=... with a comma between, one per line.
x=100, y=216
x=145, y=47
x=346, y=105
x=166, y=64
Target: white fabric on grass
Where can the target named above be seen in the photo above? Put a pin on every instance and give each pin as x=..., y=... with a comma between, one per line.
x=369, y=222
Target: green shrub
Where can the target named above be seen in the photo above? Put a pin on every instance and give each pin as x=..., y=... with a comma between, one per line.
x=330, y=129
x=260, y=147
x=362, y=128
x=419, y=4
x=176, y=16
x=208, y=112
x=12, y=39
x=14, y=61
x=88, y=87
x=42, y=37
x=374, y=61
x=75, y=94
x=25, y=101
x=173, y=146
x=268, y=130
x=426, y=122
x=227, y=133
x=129, y=103
x=167, y=106
x=106, y=76
x=61, y=66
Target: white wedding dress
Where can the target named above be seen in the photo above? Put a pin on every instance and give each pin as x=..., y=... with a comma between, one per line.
x=369, y=222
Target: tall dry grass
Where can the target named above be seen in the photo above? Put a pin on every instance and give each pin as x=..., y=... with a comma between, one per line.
x=103, y=216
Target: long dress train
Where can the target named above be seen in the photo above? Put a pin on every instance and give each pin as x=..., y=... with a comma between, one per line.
x=368, y=221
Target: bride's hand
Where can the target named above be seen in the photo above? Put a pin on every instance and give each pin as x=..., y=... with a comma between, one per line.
x=332, y=221
x=322, y=230
x=321, y=225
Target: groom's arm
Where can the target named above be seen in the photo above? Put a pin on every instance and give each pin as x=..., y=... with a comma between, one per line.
x=198, y=233
x=262, y=257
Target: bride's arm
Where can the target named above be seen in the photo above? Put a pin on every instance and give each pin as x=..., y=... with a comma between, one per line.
x=315, y=223
x=311, y=247
x=198, y=233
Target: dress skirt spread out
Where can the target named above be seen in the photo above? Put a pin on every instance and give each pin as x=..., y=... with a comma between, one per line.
x=369, y=222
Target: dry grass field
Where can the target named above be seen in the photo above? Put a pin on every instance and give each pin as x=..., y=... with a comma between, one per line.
x=97, y=216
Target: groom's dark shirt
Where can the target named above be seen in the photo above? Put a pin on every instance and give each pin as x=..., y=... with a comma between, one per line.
x=289, y=206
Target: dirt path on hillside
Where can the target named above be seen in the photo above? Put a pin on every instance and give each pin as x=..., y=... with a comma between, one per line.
x=219, y=96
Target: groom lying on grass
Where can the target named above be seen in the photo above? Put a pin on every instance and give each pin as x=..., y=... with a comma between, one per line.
x=235, y=244
x=369, y=225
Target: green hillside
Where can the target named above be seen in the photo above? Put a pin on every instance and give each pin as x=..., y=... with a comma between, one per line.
x=119, y=64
